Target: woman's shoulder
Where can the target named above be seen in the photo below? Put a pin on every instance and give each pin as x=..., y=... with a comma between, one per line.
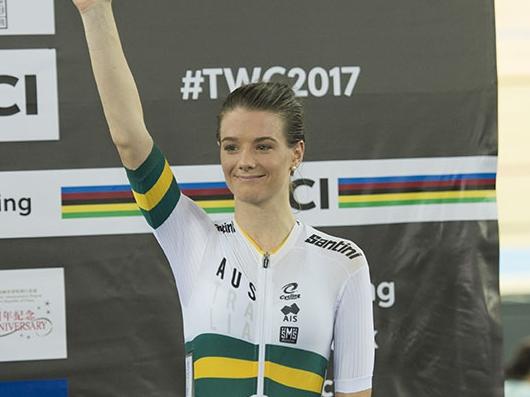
x=337, y=249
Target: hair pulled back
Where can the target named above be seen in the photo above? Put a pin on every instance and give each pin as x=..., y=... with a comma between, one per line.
x=274, y=97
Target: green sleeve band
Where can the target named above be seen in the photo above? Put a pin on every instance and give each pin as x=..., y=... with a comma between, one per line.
x=146, y=177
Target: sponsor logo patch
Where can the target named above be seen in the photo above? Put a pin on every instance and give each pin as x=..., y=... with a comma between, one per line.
x=227, y=227
x=290, y=313
x=290, y=292
x=343, y=247
x=288, y=334
x=294, y=309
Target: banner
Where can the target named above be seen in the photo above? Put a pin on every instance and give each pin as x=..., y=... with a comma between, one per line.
x=100, y=201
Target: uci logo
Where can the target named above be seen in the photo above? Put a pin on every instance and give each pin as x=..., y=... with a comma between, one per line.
x=29, y=103
x=324, y=194
x=29, y=86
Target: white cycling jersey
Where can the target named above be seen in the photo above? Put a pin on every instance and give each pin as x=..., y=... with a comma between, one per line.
x=255, y=323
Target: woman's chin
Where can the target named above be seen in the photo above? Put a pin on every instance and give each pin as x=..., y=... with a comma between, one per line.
x=249, y=198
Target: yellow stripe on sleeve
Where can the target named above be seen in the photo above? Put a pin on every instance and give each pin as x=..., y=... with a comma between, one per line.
x=153, y=196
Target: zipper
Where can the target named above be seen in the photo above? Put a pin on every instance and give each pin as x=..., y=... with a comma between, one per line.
x=262, y=323
x=266, y=260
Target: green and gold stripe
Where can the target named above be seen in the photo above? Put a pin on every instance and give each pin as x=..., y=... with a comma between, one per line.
x=223, y=366
x=154, y=188
x=226, y=366
x=294, y=370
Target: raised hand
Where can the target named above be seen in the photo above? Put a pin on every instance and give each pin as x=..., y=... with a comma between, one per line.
x=84, y=5
x=116, y=86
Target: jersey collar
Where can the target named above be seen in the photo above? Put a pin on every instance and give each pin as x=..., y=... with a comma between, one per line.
x=278, y=251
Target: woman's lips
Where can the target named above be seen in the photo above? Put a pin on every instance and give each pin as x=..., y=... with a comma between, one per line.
x=249, y=177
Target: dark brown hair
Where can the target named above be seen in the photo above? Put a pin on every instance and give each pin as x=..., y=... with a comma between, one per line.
x=273, y=97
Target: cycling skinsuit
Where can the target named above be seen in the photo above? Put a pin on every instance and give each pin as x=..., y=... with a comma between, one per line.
x=259, y=324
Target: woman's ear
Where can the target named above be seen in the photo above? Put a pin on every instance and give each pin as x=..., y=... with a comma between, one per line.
x=298, y=153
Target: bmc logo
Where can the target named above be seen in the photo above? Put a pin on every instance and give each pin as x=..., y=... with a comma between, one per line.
x=28, y=95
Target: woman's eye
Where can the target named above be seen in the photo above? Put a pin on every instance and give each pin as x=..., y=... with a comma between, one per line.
x=229, y=148
x=263, y=147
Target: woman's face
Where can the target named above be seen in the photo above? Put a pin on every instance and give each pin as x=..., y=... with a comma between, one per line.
x=255, y=158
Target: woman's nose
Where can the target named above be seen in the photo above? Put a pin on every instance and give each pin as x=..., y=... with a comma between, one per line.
x=247, y=160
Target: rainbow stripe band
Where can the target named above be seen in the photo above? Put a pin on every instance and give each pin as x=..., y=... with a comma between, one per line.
x=155, y=193
x=213, y=197
x=152, y=192
x=418, y=178
x=416, y=190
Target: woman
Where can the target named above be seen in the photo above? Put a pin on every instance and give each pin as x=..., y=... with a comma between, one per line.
x=263, y=296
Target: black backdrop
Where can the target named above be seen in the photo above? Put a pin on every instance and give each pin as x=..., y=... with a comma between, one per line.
x=426, y=88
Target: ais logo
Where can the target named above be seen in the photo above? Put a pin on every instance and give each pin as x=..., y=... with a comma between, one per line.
x=28, y=95
x=290, y=313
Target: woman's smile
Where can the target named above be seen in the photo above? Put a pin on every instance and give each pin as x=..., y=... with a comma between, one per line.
x=249, y=178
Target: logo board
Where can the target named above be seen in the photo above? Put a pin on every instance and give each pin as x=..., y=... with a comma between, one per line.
x=32, y=314
x=26, y=17
x=29, y=109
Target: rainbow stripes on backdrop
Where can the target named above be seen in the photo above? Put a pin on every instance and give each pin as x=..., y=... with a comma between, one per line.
x=416, y=190
x=213, y=197
x=118, y=200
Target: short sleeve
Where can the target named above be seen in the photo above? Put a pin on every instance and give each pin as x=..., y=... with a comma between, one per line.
x=354, y=334
x=181, y=228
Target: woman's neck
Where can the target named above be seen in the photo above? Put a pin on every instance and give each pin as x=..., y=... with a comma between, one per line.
x=268, y=225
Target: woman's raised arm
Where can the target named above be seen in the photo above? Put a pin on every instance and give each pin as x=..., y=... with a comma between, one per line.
x=116, y=86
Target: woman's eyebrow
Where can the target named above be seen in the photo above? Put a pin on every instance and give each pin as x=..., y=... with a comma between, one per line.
x=229, y=138
x=265, y=138
x=259, y=139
